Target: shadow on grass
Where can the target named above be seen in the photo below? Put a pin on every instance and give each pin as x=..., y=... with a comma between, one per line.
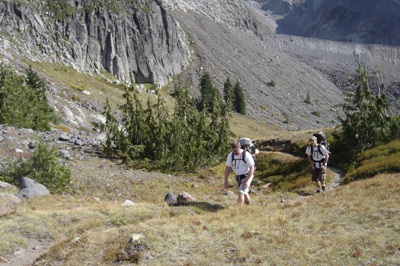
x=305, y=193
x=204, y=206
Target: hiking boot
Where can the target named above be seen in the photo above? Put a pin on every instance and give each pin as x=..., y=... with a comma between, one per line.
x=323, y=188
x=317, y=191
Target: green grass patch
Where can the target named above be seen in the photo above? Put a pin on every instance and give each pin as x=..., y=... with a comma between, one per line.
x=381, y=159
x=283, y=171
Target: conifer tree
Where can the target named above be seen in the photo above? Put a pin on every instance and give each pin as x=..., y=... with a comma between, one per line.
x=188, y=140
x=23, y=101
x=208, y=92
x=366, y=123
x=239, y=99
x=228, y=94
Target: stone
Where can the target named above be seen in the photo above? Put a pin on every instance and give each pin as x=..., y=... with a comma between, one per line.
x=170, y=199
x=8, y=204
x=184, y=198
x=31, y=189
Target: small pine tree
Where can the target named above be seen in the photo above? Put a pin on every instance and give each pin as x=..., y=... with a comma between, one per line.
x=239, y=99
x=208, y=93
x=23, y=101
x=366, y=123
x=228, y=94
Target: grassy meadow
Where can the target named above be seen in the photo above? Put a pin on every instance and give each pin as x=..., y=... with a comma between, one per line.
x=353, y=224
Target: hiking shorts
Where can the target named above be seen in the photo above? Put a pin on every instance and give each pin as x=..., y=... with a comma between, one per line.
x=241, y=189
x=318, y=174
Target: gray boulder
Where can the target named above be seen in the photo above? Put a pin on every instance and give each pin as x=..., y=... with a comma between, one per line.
x=171, y=199
x=30, y=189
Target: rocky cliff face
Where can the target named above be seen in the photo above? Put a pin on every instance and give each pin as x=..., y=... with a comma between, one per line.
x=138, y=43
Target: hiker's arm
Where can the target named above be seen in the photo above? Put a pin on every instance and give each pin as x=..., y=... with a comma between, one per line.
x=326, y=160
x=227, y=172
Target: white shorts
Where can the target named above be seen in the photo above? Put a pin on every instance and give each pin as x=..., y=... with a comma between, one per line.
x=243, y=190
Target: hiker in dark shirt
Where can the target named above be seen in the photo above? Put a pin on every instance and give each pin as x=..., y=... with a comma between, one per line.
x=242, y=164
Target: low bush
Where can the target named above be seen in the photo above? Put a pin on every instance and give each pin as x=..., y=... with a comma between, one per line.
x=43, y=166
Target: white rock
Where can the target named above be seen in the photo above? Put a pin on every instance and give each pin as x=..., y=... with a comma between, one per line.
x=128, y=203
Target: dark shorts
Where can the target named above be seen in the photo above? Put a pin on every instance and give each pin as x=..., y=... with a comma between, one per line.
x=239, y=179
x=318, y=174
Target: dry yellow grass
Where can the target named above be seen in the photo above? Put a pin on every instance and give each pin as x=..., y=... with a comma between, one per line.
x=356, y=224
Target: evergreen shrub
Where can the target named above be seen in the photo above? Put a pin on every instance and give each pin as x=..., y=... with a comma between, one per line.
x=43, y=166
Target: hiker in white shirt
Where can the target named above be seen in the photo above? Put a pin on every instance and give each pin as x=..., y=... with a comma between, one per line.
x=242, y=164
x=318, y=157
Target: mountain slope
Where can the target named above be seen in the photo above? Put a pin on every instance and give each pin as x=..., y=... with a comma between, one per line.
x=229, y=39
x=360, y=21
x=298, y=66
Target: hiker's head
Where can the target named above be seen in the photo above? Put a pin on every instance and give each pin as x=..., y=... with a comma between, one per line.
x=313, y=140
x=235, y=146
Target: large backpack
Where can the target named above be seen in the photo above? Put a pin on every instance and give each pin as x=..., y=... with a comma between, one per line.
x=248, y=146
x=321, y=139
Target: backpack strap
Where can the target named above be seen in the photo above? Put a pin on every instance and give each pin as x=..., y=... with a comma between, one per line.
x=243, y=157
x=319, y=150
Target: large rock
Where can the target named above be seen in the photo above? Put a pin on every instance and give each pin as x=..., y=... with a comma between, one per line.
x=170, y=199
x=8, y=204
x=30, y=188
x=185, y=197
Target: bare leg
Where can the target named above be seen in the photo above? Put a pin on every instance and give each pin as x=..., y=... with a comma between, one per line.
x=240, y=199
x=247, y=199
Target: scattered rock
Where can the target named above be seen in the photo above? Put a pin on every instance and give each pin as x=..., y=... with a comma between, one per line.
x=65, y=154
x=31, y=145
x=8, y=204
x=136, y=250
x=128, y=203
x=4, y=185
x=31, y=189
x=171, y=199
x=184, y=198
x=64, y=137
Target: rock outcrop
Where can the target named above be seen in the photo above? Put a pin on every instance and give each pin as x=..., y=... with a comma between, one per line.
x=137, y=42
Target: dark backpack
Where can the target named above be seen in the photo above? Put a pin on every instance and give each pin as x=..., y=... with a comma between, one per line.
x=321, y=140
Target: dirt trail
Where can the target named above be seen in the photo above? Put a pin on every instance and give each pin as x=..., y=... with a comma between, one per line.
x=338, y=174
